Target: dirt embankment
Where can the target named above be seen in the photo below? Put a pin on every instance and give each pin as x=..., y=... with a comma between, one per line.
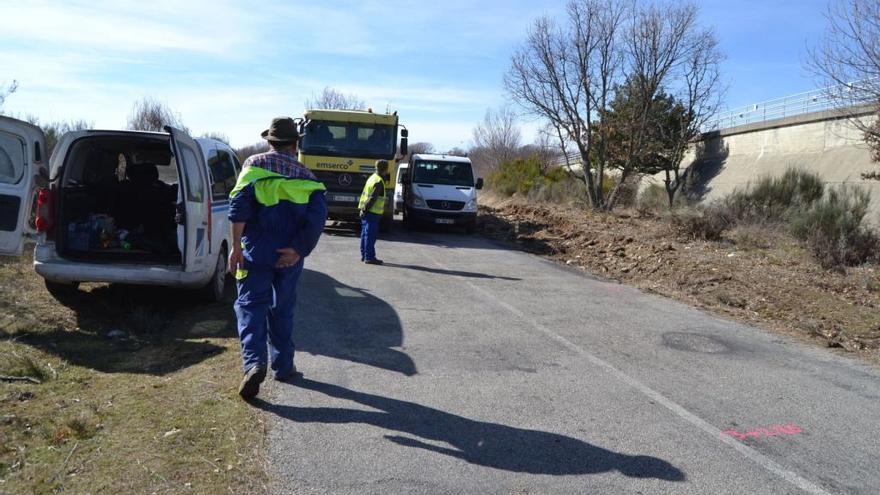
x=754, y=275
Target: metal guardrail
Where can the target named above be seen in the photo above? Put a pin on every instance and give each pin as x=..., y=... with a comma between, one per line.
x=817, y=100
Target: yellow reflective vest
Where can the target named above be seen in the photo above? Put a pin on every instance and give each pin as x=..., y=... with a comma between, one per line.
x=379, y=206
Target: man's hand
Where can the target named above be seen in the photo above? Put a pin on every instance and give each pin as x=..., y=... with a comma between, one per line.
x=236, y=260
x=361, y=213
x=289, y=257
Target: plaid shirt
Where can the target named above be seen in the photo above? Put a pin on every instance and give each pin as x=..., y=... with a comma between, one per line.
x=280, y=163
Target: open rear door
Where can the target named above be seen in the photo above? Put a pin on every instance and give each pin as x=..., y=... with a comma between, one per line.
x=195, y=195
x=22, y=159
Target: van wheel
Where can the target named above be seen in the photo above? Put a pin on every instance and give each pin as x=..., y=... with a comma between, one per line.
x=62, y=291
x=216, y=287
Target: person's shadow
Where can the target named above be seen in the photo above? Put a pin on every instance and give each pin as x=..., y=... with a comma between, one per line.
x=348, y=323
x=476, y=442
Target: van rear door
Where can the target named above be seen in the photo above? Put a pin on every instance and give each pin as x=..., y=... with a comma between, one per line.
x=195, y=201
x=22, y=159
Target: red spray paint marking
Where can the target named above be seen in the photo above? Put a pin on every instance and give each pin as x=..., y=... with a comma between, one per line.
x=772, y=431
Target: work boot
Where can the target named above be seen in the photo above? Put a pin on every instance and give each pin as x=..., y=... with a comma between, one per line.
x=375, y=261
x=290, y=377
x=250, y=384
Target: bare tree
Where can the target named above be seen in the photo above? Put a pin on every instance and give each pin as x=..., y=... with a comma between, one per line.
x=847, y=62
x=566, y=75
x=55, y=129
x=152, y=115
x=332, y=99
x=246, y=152
x=571, y=76
x=498, y=136
x=219, y=136
x=6, y=92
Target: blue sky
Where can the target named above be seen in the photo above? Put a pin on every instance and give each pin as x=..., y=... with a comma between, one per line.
x=230, y=66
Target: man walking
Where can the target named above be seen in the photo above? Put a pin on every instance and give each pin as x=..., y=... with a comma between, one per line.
x=277, y=210
x=372, y=207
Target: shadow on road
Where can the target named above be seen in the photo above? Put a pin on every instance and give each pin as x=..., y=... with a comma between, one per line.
x=476, y=442
x=455, y=273
x=348, y=323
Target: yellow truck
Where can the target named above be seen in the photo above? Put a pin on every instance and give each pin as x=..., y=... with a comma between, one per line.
x=341, y=148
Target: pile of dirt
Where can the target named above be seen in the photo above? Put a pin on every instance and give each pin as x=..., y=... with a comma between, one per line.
x=753, y=275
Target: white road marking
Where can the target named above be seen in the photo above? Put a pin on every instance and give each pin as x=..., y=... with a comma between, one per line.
x=752, y=454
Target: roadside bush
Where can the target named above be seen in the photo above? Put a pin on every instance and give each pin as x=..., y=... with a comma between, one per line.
x=705, y=223
x=775, y=199
x=834, y=231
x=516, y=176
x=568, y=190
x=653, y=200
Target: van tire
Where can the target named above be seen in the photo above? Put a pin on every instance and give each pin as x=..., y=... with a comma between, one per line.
x=62, y=291
x=215, y=289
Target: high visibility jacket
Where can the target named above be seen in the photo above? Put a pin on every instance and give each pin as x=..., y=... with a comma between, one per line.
x=278, y=212
x=373, y=182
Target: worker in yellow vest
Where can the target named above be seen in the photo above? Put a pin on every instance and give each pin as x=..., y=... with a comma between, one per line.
x=372, y=207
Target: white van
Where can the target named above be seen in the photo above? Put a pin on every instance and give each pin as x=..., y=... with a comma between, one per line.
x=132, y=207
x=398, y=188
x=440, y=189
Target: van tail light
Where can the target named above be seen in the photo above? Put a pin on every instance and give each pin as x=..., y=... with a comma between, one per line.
x=45, y=207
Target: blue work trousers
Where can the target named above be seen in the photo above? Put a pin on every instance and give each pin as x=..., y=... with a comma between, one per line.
x=264, y=308
x=369, y=233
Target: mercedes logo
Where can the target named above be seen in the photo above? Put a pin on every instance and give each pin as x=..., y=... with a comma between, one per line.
x=344, y=180
x=444, y=205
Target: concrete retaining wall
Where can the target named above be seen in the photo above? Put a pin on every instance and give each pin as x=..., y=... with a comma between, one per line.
x=823, y=142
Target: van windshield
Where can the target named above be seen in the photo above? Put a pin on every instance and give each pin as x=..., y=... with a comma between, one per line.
x=445, y=173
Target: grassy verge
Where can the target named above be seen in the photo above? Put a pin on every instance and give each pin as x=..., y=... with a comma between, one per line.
x=753, y=274
x=152, y=409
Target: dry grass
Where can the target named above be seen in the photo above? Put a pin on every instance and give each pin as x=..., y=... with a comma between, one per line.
x=153, y=412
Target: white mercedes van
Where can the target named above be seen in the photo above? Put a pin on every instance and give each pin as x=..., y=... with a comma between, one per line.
x=398, y=188
x=441, y=190
x=132, y=207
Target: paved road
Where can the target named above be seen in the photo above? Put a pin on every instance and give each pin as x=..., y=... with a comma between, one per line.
x=463, y=367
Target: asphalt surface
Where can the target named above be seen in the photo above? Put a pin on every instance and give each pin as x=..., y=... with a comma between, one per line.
x=464, y=367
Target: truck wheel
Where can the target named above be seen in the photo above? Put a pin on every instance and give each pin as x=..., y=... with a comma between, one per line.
x=62, y=292
x=216, y=287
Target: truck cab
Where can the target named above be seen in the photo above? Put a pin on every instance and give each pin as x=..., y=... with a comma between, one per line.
x=341, y=148
x=132, y=207
x=440, y=190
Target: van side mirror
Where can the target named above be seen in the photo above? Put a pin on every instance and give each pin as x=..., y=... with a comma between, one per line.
x=479, y=183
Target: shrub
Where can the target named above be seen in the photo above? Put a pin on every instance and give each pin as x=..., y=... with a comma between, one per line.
x=775, y=199
x=706, y=223
x=566, y=191
x=516, y=176
x=834, y=230
x=653, y=200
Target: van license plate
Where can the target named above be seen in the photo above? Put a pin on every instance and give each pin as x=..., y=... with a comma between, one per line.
x=444, y=220
x=345, y=198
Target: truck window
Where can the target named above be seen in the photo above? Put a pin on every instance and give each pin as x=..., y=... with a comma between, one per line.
x=223, y=174
x=11, y=159
x=349, y=139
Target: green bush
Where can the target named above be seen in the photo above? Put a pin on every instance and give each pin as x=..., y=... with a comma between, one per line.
x=775, y=199
x=516, y=176
x=834, y=231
